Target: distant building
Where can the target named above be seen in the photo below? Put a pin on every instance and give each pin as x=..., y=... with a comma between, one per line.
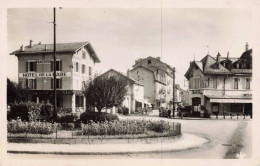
x=221, y=84
x=75, y=64
x=157, y=78
x=134, y=98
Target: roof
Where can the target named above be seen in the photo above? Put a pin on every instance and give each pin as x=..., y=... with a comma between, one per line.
x=247, y=55
x=129, y=78
x=156, y=60
x=60, y=48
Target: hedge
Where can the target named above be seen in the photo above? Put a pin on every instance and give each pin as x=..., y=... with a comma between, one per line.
x=30, y=111
x=86, y=117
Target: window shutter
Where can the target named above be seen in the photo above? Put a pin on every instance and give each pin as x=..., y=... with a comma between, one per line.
x=52, y=66
x=60, y=83
x=35, y=83
x=60, y=65
x=35, y=66
x=26, y=66
x=51, y=83
x=26, y=82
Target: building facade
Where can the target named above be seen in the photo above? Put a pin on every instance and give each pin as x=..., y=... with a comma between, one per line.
x=221, y=84
x=134, y=98
x=157, y=78
x=75, y=65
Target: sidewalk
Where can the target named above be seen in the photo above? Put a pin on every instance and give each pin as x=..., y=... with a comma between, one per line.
x=187, y=141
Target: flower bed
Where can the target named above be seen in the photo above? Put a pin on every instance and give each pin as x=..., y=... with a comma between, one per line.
x=126, y=127
x=17, y=126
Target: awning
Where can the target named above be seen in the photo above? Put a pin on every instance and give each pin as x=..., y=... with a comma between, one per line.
x=231, y=100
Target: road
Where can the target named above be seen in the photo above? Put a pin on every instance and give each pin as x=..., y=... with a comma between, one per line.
x=227, y=139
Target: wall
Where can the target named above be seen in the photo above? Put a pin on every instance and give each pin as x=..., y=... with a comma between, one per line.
x=147, y=79
x=79, y=77
x=44, y=83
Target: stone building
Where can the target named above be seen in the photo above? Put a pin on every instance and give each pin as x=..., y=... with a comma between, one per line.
x=75, y=64
x=221, y=84
x=157, y=78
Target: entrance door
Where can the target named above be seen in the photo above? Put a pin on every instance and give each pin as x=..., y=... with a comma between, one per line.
x=196, y=102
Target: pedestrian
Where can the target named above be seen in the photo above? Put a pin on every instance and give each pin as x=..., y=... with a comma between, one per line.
x=169, y=112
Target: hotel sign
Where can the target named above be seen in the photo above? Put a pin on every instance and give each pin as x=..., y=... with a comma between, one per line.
x=44, y=74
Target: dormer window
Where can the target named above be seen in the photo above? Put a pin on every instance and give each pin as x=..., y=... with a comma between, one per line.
x=149, y=61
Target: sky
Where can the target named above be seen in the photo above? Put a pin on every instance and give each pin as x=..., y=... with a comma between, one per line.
x=121, y=35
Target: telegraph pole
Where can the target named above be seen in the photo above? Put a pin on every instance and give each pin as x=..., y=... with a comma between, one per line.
x=173, y=91
x=54, y=66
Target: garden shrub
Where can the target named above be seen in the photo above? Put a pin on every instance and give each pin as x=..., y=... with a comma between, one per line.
x=18, y=126
x=30, y=111
x=66, y=126
x=120, y=110
x=125, y=110
x=86, y=117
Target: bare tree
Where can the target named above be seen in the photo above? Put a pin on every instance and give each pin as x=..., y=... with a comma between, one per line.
x=106, y=91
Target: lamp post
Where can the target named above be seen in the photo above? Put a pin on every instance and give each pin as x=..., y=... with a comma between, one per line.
x=54, y=66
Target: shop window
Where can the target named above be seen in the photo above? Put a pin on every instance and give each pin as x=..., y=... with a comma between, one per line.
x=58, y=83
x=31, y=66
x=236, y=107
x=247, y=83
x=235, y=83
x=31, y=83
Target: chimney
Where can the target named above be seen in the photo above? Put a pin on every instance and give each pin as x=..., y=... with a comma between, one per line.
x=218, y=56
x=31, y=43
x=45, y=47
x=246, y=46
x=227, y=54
x=158, y=58
x=21, y=48
x=39, y=43
x=128, y=73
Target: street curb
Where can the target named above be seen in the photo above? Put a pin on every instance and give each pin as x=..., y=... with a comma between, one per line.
x=110, y=153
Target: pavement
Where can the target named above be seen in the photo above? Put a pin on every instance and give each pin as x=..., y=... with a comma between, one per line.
x=186, y=141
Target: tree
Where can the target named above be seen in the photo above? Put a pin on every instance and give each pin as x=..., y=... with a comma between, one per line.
x=15, y=93
x=106, y=91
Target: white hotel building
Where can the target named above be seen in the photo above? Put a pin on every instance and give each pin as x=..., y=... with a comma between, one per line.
x=75, y=64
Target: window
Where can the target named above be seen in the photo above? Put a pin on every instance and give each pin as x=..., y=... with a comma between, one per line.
x=83, y=69
x=58, y=83
x=235, y=83
x=79, y=101
x=90, y=71
x=196, y=83
x=215, y=83
x=31, y=66
x=149, y=61
x=83, y=55
x=58, y=65
x=247, y=83
x=77, y=67
x=31, y=83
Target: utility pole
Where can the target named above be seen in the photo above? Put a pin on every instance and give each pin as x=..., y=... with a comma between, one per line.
x=173, y=91
x=54, y=66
